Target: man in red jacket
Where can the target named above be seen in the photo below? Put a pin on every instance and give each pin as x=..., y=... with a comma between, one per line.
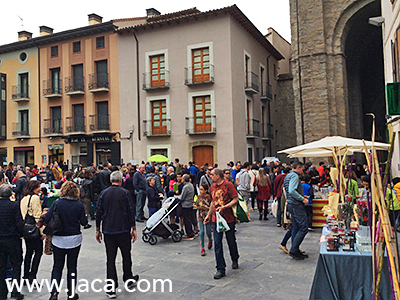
x=278, y=194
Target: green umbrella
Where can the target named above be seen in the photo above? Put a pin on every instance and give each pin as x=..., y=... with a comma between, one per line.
x=158, y=158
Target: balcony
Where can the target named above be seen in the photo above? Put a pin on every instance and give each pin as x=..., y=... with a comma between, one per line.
x=20, y=93
x=52, y=127
x=75, y=85
x=149, y=83
x=266, y=92
x=252, y=129
x=99, y=123
x=268, y=132
x=75, y=125
x=157, y=127
x=200, y=125
x=251, y=83
x=21, y=130
x=98, y=82
x=194, y=76
x=52, y=88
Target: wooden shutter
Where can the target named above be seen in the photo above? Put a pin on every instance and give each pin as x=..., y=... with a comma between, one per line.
x=202, y=114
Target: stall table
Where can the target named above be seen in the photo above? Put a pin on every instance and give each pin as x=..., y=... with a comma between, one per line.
x=346, y=275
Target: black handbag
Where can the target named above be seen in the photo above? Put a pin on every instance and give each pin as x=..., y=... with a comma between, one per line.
x=30, y=229
x=55, y=224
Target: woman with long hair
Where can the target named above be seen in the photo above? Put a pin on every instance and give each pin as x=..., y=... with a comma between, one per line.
x=264, y=192
x=32, y=205
x=203, y=205
x=67, y=242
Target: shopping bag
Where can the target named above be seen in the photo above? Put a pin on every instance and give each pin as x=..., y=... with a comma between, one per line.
x=274, y=208
x=222, y=225
x=240, y=210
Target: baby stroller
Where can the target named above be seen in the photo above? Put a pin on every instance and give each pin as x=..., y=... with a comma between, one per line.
x=158, y=225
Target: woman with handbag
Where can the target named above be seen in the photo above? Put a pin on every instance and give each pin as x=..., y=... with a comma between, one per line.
x=264, y=192
x=31, y=209
x=68, y=239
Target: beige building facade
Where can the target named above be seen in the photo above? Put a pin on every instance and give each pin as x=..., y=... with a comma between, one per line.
x=195, y=85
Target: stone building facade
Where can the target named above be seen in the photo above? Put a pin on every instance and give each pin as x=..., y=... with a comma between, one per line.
x=337, y=66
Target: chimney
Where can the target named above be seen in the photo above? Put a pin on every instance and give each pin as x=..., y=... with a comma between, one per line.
x=152, y=12
x=95, y=19
x=45, y=30
x=24, y=35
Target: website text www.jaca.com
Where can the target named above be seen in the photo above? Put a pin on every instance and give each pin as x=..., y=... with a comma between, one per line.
x=93, y=286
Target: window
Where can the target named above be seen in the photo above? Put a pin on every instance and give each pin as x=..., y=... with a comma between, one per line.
x=247, y=69
x=263, y=123
x=79, y=118
x=159, y=117
x=262, y=72
x=201, y=65
x=102, y=116
x=157, y=63
x=3, y=106
x=100, y=42
x=248, y=115
x=202, y=114
x=54, y=51
x=24, y=87
x=77, y=71
x=76, y=47
x=24, y=121
x=102, y=73
x=55, y=81
x=56, y=119
x=23, y=56
x=162, y=151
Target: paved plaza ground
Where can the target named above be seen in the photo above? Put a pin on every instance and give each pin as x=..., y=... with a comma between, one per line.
x=265, y=272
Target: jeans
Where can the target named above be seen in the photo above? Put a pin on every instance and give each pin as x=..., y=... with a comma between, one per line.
x=59, y=255
x=219, y=252
x=140, y=202
x=152, y=210
x=10, y=247
x=124, y=243
x=286, y=237
x=34, y=248
x=309, y=212
x=299, y=225
x=207, y=230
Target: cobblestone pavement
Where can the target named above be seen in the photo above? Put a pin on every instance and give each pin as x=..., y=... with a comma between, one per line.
x=265, y=272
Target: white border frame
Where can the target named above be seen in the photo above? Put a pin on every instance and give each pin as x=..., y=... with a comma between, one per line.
x=159, y=146
x=189, y=50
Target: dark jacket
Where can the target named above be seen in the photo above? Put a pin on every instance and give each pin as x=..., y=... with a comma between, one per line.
x=20, y=187
x=115, y=210
x=139, y=181
x=104, y=179
x=128, y=184
x=72, y=215
x=11, y=222
x=152, y=197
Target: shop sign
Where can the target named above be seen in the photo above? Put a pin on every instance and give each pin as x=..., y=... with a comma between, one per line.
x=90, y=139
x=56, y=147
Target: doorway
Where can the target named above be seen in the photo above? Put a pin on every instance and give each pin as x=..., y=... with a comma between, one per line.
x=203, y=155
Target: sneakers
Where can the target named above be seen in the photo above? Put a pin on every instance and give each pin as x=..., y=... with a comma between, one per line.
x=53, y=296
x=310, y=229
x=187, y=238
x=284, y=249
x=18, y=296
x=235, y=265
x=278, y=225
x=209, y=245
x=202, y=252
x=111, y=295
x=75, y=297
x=87, y=226
x=219, y=275
x=133, y=282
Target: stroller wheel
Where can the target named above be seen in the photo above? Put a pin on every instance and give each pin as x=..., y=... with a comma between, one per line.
x=145, y=237
x=177, y=236
x=153, y=240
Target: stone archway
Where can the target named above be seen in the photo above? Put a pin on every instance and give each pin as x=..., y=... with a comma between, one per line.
x=321, y=30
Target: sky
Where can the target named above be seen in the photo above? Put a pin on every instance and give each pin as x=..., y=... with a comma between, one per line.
x=73, y=13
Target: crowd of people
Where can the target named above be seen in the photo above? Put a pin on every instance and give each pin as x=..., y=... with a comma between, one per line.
x=116, y=197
